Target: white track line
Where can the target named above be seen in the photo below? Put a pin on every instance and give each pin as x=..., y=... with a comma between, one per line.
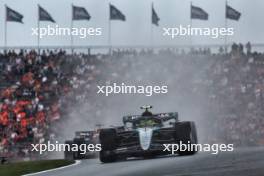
x=77, y=162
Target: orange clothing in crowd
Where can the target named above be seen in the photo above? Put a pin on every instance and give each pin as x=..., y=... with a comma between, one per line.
x=40, y=117
x=7, y=93
x=27, y=78
x=24, y=123
x=23, y=103
x=17, y=109
x=21, y=115
x=4, y=118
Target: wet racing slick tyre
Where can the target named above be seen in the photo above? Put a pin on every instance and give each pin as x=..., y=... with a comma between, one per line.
x=68, y=155
x=77, y=154
x=108, y=143
x=185, y=133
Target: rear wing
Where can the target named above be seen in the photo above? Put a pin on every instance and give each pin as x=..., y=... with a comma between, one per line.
x=84, y=133
x=161, y=116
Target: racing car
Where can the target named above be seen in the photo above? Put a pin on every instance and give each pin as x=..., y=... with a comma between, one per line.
x=145, y=135
x=82, y=137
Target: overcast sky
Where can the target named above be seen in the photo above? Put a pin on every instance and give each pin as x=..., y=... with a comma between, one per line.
x=136, y=30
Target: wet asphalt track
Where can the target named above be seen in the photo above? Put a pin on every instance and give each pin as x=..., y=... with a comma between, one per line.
x=241, y=162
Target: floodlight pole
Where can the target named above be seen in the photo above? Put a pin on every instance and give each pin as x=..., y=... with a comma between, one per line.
x=191, y=42
x=72, y=50
x=151, y=26
x=225, y=44
x=109, y=31
x=5, y=42
x=38, y=31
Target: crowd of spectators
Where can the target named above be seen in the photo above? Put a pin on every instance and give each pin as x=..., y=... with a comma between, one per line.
x=32, y=89
x=36, y=91
x=237, y=88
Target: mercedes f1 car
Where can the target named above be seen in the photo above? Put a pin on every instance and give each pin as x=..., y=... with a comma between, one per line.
x=145, y=135
x=82, y=137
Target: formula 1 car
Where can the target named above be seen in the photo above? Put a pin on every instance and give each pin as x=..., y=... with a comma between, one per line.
x=82, y=137
x=145, y=135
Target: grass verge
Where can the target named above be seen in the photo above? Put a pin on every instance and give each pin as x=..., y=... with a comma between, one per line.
x=21, y=168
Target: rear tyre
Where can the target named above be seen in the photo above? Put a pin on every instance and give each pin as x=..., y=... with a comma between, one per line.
x=68, y=155
x=77, y=154
x=108, y=143
x=185, y=133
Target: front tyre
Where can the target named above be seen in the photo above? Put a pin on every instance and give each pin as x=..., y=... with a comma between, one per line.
x=107, y=157
x=68, y=155
x=108, y=143
x=186, y=134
